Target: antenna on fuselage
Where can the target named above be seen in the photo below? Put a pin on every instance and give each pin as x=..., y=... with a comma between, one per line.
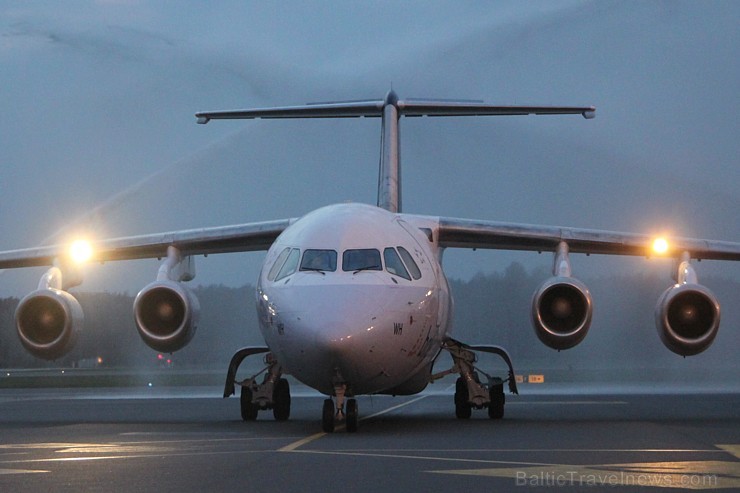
x=390, y=110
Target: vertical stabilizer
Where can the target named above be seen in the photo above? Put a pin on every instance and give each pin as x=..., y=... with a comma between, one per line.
x=389, y=174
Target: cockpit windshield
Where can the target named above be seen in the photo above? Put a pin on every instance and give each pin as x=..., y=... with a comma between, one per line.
x=290, y=264
x=361, y=259
x=413, y=268
x=319, y=260
x=394, y=265
x=397, y=261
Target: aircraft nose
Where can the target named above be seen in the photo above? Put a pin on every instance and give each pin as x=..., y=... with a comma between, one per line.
x=370, y=336
x=335, y=328
x=337, y=313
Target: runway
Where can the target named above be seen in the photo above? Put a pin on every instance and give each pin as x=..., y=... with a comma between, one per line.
x=191, y=440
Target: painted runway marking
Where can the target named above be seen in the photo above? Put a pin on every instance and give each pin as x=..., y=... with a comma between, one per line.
x=420, y=457
x=568, y=403
x=552, y=450
x=391, y=409
x=123, y=446
x=292, y=447
x=734, y=449
x=709, y=474
x=79, y=452
x=295, y=445
x=694, y=475
x=136, y=456
x=20, y=471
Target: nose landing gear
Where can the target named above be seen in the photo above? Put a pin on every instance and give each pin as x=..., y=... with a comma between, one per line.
x=333, y=413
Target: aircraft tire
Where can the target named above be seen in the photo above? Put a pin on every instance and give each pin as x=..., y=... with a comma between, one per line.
x=281, y=400
x=248, y=409
x=498, y=399
x=462, y=406
x=352, y=416
x=327, y=416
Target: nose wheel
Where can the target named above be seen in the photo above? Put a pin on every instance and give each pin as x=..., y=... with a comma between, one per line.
x=327, y=416
x=334, y=412
x=351, y=415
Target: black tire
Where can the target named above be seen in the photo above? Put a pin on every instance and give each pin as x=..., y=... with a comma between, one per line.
x=498, y=399
x=248, y=409
x=281, y=400
x=463, y=410
x=352, y=416
x=327, y=416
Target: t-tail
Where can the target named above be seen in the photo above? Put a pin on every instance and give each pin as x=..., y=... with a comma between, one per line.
x=390, y=109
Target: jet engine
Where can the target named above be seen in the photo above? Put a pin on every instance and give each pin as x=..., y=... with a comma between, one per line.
x=561, y=306
x=48, y=321
x=561, y=312
x=687, y=318
x=167, y=315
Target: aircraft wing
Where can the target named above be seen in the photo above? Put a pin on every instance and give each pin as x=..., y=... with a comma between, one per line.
x=467, y=233
x=237, y=238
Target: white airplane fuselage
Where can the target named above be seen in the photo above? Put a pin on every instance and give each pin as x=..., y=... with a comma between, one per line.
x=378, y=328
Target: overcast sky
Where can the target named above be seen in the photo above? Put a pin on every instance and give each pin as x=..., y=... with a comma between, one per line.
x=97, y=130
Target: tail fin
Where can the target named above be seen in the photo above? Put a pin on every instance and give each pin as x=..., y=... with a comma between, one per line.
x=390, y=110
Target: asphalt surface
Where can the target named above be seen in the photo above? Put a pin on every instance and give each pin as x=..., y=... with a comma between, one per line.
x=191, y=440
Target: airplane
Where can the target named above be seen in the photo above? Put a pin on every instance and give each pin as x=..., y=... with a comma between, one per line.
x=352, y=298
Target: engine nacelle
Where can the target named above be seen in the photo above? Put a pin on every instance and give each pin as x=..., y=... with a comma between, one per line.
x=48, y=322
x=167, y=315
x=561, y=312
x=687, y=318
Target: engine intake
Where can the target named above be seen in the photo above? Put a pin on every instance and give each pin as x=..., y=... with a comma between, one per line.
x=561, y=312
x=48, y=322
x=167, y=315
x=687, y=318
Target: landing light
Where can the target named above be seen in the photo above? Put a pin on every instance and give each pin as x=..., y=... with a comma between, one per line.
x=660, y=246
x=80, y=251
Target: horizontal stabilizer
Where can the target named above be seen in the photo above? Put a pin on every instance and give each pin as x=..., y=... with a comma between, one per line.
x=464, y=108
x=409, y=107
x=324, y=110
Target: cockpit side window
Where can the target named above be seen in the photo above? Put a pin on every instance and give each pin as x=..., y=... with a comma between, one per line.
x=291, y=264
x=394, y=265
x=410, y=263
x=361, y=259
x=319, y=260
x=278, y=263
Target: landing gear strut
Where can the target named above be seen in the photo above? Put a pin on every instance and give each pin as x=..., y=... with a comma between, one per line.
x=334, y=412
x=273, y=393
x=470, y=393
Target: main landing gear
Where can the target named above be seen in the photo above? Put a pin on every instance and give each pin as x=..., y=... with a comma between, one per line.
x=273, y=393
x=334, y=412
x=470, y=393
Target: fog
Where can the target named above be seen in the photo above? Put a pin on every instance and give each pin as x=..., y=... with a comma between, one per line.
x=98, y=134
